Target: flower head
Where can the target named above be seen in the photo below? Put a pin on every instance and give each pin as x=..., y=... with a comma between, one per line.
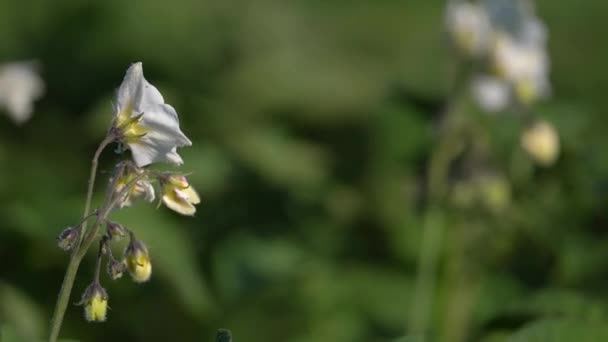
x=95, y=301
x=20, y=86
x=509, y=42
x=145, y=123
x=178, y=194
x=138, y=261
x=522, y=64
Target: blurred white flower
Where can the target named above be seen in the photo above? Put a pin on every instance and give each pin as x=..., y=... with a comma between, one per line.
x=511, y=40
x=20, y=86
x=524, y=65
x=468, y=26
x=145, y=123
x=491, y=93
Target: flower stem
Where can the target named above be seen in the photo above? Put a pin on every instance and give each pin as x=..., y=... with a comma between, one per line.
x=87, y=204
x=76, y=256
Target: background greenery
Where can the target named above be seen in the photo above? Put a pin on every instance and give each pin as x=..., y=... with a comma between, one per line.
x=313, y=124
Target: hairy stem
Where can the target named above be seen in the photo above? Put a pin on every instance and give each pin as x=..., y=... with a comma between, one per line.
x=76, y=256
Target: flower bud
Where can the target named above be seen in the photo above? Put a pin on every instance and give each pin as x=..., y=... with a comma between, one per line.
x=115, y=230
x=178, y=194
x=141, y=188
x=138, y=261
x=95, y=302
x=68, y=238
x=541, y=142
x=116, y=268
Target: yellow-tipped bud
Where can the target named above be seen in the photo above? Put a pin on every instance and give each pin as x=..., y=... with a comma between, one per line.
x=179, y=195
x=138, y=261
x=541, y=141
x=95, y=302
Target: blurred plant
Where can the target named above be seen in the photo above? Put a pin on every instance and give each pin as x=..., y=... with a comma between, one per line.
x=144, y=124
x=20, y=86
x=505, y=43
x=501, y=57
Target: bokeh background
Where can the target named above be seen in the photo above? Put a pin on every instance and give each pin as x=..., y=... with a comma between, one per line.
x=313, y=125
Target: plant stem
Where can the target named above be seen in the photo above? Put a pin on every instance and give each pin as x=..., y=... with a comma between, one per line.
x=76, y=256
x=87, y=204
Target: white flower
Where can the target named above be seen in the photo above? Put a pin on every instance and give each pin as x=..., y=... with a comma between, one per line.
x=469, y=27
x=491, y=93
x=20, y=86
x=524, y=65
x=145, y=123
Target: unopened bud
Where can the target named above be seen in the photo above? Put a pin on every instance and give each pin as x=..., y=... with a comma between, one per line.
x=68, y=238
x=138, y=261
x=95, y=302
x=541, y=141
x=115, y=230
x=116, y=268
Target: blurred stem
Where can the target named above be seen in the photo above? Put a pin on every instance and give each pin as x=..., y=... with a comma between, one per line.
x=462, y=285
x=433, y=230
x=81, y=248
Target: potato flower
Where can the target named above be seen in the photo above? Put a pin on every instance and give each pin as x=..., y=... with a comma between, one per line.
x=145, y=123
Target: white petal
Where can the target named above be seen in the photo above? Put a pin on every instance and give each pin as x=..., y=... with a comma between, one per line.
x=20, y=86
x=162, y=118
x=147, y=151
x=130, y=88
x=174, y=157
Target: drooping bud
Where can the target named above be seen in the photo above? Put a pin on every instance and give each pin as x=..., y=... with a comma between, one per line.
x=95, y=302
x=116, y=268
x=115, y=230
x=178, y=194
x=138, y=261
x=68, y=238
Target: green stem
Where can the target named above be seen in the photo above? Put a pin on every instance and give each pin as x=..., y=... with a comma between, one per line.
x=87, y=204
x=76, y=256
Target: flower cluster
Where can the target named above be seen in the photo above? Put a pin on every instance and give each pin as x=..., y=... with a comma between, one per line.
x=144, y=124
x=509, y=42
x=506, y=42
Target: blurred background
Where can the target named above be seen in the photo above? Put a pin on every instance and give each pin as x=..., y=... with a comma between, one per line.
x=352, y=188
